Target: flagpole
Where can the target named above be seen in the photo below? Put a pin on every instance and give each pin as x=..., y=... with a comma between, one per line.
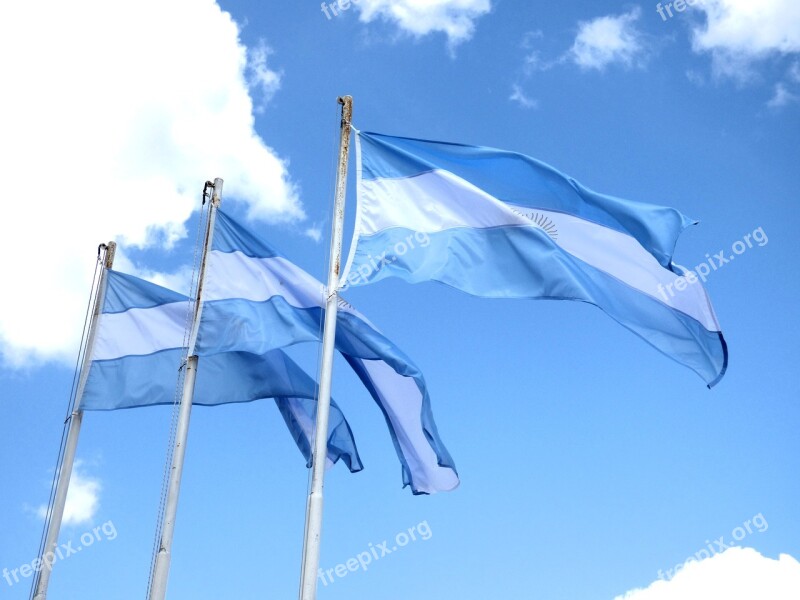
x=71, y=445
x=313, y=529
x=158, y=588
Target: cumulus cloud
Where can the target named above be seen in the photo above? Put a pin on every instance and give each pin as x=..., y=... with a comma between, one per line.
x=612, y=39
x=608, y=40
x=113, y=116
x=740, y=573
x=455, y=18
x=83, y=498
x=740, y=32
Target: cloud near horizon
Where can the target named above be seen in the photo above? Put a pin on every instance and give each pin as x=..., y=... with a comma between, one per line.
x=740, y=573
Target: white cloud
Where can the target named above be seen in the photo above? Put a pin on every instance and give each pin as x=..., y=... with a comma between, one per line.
x=739, y=32
x=314, y=233
x=83, y=498
x=267, y=81
x=740, y=573
x=518, y=95
x=113, y=116
x=454, y=18
x=782, y=97
x=608, y=40
x=754, y=28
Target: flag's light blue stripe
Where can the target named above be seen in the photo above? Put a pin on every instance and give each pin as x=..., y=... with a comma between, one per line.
x=233, y=377
x=300, y=415
x=126, y=291
x=258, y=325
x=133, y=381
x=138, y=355
x=439, y=200
x=514, y=262
x=523, y=181
x=230, y=237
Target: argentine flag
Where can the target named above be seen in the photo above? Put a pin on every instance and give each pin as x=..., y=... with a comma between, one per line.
x=139, y=349
x=502, y=225
x=255, y=300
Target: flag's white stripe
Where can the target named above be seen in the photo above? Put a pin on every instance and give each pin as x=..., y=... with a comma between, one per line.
x=431, y=202
x=622, y=257
x=402, y=400
x=140, y=331
x=234, y=275
x=439, y=200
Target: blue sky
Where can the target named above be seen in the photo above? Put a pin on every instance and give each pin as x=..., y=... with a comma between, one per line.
x=591, y=465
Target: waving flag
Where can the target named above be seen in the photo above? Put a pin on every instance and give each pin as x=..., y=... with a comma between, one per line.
x=256, y=301
x=139, y=349
x=499, y=224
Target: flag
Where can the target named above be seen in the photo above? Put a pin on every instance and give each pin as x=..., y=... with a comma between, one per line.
x=139, y=349
x=502, y=225
x=255, y=300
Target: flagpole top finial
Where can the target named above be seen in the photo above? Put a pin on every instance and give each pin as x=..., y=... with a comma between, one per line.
x=347, y=109
x=216, y=198
x=111, y=250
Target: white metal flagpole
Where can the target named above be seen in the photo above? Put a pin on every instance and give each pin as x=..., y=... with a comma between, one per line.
x=313, y=530
x=158, y=588
x=70, y=447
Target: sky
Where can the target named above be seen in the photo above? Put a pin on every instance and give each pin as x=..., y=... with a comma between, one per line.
x=592, y=466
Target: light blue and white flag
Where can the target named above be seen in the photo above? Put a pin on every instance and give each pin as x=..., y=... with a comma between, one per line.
x=139, y=350
x=255, y=300
x=499, y=224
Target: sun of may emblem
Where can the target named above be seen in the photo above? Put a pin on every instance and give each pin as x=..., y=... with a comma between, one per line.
x=541, y=222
